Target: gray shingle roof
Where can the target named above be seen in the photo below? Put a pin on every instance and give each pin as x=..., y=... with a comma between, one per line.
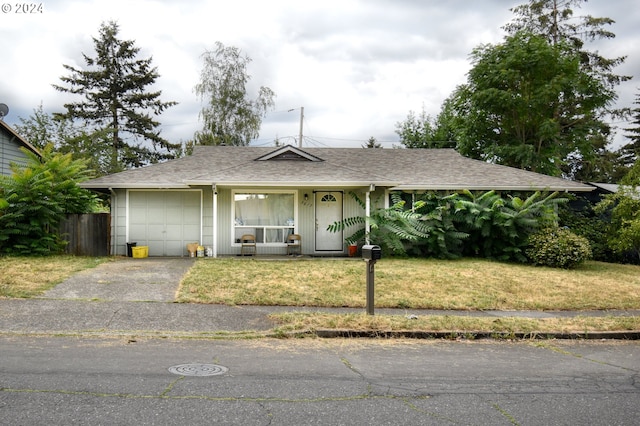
x=409, y=169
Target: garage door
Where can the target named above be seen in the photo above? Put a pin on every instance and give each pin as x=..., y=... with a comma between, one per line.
x=165, y=220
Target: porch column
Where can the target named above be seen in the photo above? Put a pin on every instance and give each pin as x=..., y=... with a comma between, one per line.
x=215, y=220
x=367, y=213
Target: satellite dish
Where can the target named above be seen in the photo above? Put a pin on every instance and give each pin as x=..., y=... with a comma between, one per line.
x=4, y=110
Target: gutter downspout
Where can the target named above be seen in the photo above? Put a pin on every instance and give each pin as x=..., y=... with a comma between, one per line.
x=215, y=220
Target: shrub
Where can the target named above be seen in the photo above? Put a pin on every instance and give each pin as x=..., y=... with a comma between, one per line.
x=583, y=221
x=558, y=248
x=35, y=199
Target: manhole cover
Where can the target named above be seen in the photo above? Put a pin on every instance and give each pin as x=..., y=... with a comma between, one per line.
x=198, y=369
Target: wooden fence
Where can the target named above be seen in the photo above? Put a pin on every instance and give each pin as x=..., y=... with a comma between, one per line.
x=87, y=234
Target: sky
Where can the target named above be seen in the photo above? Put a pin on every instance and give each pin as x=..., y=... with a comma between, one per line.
x=357, y=67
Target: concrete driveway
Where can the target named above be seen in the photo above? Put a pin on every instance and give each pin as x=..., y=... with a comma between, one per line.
x=126, y=280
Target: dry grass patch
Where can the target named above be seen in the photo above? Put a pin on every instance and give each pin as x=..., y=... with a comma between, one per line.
x=30, y=276
x=308, y=321
x=469, y=284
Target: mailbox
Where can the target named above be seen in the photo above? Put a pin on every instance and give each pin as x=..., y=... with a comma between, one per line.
x=371, y=252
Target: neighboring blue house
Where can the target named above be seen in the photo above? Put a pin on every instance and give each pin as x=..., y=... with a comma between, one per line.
x=10, y=144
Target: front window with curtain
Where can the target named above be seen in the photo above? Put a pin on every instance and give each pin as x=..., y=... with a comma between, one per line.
x=269, y=216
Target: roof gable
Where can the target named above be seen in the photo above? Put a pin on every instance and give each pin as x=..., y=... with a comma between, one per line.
x=290, y=153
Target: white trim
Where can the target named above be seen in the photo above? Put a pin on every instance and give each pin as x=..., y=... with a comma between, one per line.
x=215, y=220
x=126, y=220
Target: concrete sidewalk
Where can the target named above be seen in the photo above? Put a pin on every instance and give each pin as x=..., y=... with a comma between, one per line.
x=134, y=297
x=85, y=317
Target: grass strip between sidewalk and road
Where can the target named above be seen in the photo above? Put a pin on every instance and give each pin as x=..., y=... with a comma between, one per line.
x=310, y=322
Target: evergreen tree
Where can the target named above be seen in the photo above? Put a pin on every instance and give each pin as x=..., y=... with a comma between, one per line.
x=116, y=102
x=555, y=20
x=372, y=143
x=630, y=152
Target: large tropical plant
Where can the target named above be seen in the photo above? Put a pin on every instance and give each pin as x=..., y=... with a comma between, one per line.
x=444, y=239
x=484, y=224
x=389, y=227
x=499, y=226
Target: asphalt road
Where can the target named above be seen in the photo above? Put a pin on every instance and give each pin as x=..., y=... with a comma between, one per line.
x=100, y=381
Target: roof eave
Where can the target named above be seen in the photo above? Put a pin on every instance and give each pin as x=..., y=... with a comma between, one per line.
x=301, y=184
x=129, y=185
x=581, y=188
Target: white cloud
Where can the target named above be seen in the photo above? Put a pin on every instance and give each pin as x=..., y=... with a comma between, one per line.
x=358, y=67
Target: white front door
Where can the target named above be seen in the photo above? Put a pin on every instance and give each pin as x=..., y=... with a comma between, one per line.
x=328, y=211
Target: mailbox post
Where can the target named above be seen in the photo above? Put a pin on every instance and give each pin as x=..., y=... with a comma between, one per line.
x=371, y=254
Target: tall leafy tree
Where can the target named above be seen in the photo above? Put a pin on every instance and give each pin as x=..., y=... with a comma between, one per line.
x=423, y=131
x=624, y=206
x=41, y=129
x=527, y=104
x=605, y=166
x=117, y=101
x=229, y=116
x=93, y=146
x=558, y=22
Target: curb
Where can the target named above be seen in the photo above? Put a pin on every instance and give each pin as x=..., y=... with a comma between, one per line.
x=336, y=334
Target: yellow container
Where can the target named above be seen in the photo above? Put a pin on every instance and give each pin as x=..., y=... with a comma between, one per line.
x=140, y=252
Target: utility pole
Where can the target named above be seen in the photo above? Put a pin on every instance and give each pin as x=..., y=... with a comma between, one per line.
x=300, y=134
